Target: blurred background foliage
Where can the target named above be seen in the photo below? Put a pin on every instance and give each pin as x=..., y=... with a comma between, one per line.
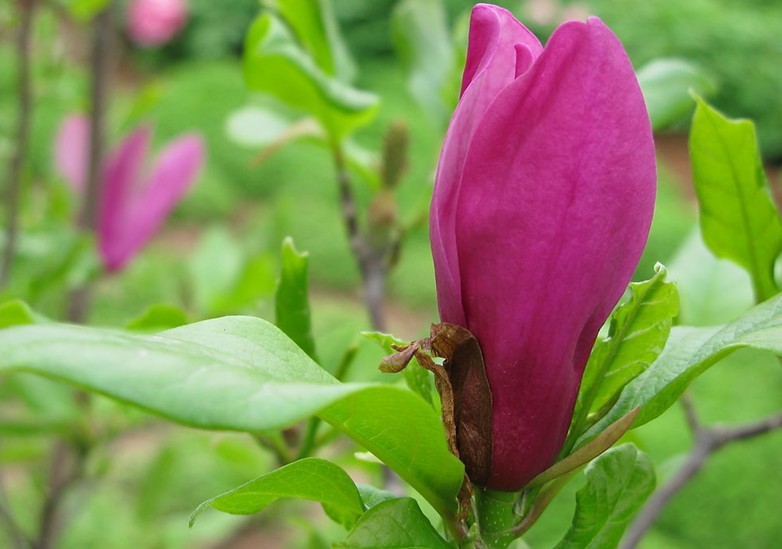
x=219, y=255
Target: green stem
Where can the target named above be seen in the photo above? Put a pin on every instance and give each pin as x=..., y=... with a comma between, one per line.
x=496, y=516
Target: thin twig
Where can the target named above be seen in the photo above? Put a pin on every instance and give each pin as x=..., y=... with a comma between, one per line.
x=90, y=213
x=708, y=440
x=64, y=471
x=371, y=262
x=15, y=531
x=22, y=137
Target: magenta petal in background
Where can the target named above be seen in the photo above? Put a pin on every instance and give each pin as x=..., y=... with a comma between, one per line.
x=551, y=207
x=147, y=205
x=71, y=149
x=134, y=201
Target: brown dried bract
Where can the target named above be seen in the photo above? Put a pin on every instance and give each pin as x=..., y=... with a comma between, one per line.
x=464, y=395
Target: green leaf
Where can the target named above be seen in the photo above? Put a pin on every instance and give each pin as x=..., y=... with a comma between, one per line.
x=255, y=126
x=418, y=379
x=617, y=484
x=712, y=291
x=243, y=374
x=637, y=334
x=395, y=523
x=291, y=303
x=737, y=215
x=17, y=312
x=372, y=496
x=215, y=268
x=275, y=64
x=310, y=478
x=158, y=317
x=421, y=36
x=666, y=85
x=316, y=29
x=85, y=10
x=690, y=352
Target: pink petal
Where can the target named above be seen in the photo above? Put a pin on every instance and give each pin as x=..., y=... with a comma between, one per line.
x=71, y=150
x=172, y=176
x=554, y=208
x=491, y=66
x=122, y=172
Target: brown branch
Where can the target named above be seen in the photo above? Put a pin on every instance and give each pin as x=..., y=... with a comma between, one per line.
x=89, y=216
x=708, y=440
x=22, y=136
x=371, y=262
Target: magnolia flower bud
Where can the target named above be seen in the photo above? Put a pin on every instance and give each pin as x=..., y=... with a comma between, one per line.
x=542, y=206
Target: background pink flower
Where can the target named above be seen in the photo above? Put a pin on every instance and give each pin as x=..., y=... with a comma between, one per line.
x=155, y=22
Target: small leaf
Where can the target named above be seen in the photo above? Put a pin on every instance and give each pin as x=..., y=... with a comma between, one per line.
x=158, y=317
x=16, y=312
x=688, y=353
x=316, y=29
x=291, y=303
x=394, y=524
x=242, y=374
x=617, y=484
x=255, y=126
x=275, y=64
x=637, y=334
x=310, y=478
x=421, y=36
x=737, y=215
x=372, y=496
x=666, y=84
x=418, y=379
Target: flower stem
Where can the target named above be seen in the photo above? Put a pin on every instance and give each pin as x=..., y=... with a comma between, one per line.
x=496, y=516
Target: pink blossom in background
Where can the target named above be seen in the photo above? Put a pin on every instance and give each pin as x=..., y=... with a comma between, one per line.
x=135, y=201
x=155, y=22
x=542, y=206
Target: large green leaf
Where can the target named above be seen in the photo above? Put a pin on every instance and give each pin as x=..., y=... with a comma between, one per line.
x=276, y=64
x=688, y=353
x=422, y=38
x=244, y=374
x=737, y=215
x=637, y=334
x=316, y=29
x=666, y=85
x=291, y=302
x=310, y=478
x=617, y=484
x=394, y=523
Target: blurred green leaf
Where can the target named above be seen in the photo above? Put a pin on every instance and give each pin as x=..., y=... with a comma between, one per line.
x=421, y=36
x=315, y=26
x=712, y=291
x=158, y=317
x=85, y=9
x=738, y=218
x=310, y=478
x=275, y=64
x=291, y=302
x=417, y=377
x=243, y=374
x=256, y=126
x=637, y=334
x=215, y=267
x=666, y=85
x=16, y=312
x=690, y=352
x=394, y=523
x=617, y=484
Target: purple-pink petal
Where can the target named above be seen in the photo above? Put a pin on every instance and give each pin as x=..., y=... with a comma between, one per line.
x=146, y=205
x=71, y=148
x=490, y=67
x=121, y=175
